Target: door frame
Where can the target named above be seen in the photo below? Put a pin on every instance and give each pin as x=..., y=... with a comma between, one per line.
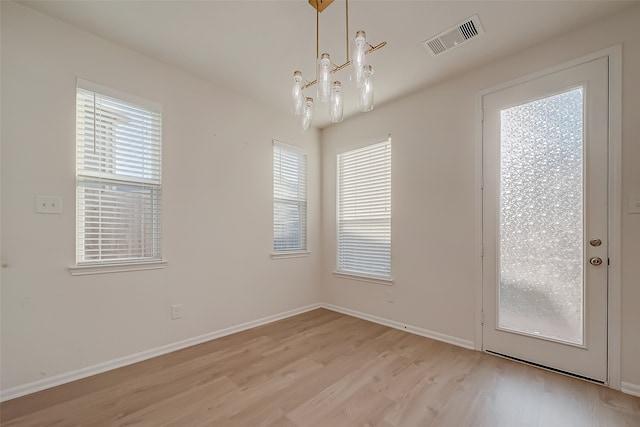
x=614, y=304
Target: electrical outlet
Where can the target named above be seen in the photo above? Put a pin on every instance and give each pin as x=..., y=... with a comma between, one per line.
x=390, y=298
x=48, y=204
x=176, y=311
x=634, y=204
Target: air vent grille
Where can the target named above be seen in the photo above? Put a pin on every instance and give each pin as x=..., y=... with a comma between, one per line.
x=454, y=36
x=468, y=30
x=437, y=46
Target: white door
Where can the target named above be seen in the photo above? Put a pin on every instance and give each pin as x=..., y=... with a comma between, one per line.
x=545, y=145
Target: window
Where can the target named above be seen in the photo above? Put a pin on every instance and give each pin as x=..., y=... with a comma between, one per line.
x=364, y=211
x=289, y=199
x=118, y=172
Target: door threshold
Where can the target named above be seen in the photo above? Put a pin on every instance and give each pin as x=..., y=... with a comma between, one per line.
x=546, y=368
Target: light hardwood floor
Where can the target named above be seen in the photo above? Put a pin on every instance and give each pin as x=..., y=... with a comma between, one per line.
x=323, y=368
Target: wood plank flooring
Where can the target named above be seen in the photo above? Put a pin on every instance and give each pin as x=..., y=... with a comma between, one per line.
x=323, y=368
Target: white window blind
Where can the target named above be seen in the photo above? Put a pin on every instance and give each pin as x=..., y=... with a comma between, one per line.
x=364, y=211
x=119, y=185
x=289, y=199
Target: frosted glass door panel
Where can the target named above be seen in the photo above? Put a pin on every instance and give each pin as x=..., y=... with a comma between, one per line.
x=544, y=200
x=541, y=286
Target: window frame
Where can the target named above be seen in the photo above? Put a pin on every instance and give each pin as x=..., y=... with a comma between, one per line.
x=301, y=202
x=114, y=171
x=340, y=271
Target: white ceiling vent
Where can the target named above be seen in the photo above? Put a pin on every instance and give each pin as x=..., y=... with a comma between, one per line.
x=461, y=33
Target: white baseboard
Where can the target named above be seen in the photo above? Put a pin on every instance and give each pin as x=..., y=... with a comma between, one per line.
x=99, y=368
x=403, y=327
x=629, y=388
x=22, y=390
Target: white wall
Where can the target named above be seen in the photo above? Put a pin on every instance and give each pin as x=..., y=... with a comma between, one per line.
x=53, y=323
x=217, y=203
x=434, y=134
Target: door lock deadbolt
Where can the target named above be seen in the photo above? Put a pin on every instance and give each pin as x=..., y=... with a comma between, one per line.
x=595, y=242
x=596, y=260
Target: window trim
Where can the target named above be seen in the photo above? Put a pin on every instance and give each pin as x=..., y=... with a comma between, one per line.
x=290, y=254
x=303, y=252
x=378, y=280
x=114, y=93
x=118, y=265
x=88, y=269
x=371, y=278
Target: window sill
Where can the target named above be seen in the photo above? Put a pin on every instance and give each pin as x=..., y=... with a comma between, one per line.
x=286, y=255
x=387, y=281
x=83, y=270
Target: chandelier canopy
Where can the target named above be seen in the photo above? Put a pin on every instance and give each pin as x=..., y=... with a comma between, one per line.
x=329, y=90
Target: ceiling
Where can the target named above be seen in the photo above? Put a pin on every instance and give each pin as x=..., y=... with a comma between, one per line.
x=253, y=47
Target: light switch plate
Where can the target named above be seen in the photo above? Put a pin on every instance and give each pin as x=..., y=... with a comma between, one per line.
x=48, y=204
x=634, y=204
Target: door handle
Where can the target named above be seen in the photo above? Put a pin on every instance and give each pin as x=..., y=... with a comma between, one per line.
x=596, y=260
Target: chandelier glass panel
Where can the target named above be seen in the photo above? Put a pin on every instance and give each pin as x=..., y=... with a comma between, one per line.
x=329, y=90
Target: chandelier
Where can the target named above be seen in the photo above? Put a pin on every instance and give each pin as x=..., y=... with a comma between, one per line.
x=330, y=90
